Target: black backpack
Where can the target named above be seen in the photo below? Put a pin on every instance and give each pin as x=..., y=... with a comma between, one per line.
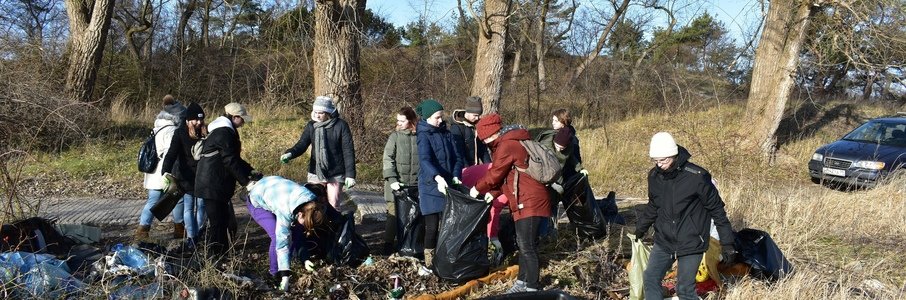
x=147, y=154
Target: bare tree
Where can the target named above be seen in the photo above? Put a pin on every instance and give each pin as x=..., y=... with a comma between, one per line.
x=338, y=25
x=776, y=62
x=618, y=11
x=88, y=24
x=487, y=81
x=133, y=24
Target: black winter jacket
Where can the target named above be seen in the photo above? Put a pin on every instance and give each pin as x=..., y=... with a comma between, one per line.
x=681, y=203
x=179, y=161
x=473, y=150
x=221, y=165
x=339, y=147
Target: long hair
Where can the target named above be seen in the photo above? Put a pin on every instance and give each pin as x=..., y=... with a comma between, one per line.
x=564, y=117
x=410, y=115
x=313, y=215
x=197, y=132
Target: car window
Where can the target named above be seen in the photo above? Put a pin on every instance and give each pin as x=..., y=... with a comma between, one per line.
x=880, y=132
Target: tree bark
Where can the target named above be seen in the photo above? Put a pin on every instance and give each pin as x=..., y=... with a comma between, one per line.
x=776, y=61
x=88, y=26
x=487, y=81
x=338, y=24
x=184, y=17
x=602, y=40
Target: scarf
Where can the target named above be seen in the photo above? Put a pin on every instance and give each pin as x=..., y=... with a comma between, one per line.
x=322, y=158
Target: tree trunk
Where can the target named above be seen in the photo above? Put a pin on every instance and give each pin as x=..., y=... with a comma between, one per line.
x=618, y=12
x=869, y=85
x=206, y=24
x=776, y=61
x=336, y=57
x=540, y=47
x=487, y=81
x=184, y=17
x=87, y=35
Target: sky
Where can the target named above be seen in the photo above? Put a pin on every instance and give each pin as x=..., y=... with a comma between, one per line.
x=739, y=16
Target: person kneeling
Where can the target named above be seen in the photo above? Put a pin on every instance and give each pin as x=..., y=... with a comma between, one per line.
x=277, y=204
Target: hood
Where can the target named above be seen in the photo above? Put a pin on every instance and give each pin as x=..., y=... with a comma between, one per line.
x=459, y=116
x=423, y=126
x=682, y=157
x=511, y=132
x=854, y=151
x=174, y=113
x=221, y=121
x=160, y=123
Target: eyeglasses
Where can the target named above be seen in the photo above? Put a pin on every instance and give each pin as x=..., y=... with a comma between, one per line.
x=662, y=160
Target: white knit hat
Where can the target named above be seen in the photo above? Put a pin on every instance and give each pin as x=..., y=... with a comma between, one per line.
x=323, y=104
x=662, y=145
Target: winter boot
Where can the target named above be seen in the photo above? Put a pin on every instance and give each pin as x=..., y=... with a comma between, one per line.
x=143, y=233
x=179, y=231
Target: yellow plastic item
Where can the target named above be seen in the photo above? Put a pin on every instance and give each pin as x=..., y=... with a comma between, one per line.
x=708, y=267
x=639, y=262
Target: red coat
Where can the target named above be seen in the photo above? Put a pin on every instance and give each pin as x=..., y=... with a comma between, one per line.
x=506, y=151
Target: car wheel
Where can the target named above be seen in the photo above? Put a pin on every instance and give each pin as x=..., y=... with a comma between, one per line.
x=816, y=180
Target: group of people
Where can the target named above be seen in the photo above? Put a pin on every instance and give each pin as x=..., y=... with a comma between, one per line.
x=476, y=150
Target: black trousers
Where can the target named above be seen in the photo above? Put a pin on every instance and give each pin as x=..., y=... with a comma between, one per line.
x=431, y=232
x=527, y=239
x=222, y=223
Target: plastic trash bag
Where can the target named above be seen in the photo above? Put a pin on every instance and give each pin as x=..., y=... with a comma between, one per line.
x=41, y=275
x=128, y=259
x=132, y=292
x=349, y=247
x=759, y=251
x=462, y=243
x=638, y=264
x=708, y=267
x=582, y=209
x=410, y=224
x=610, y=210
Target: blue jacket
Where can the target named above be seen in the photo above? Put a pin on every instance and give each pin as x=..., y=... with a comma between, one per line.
x=437, y=155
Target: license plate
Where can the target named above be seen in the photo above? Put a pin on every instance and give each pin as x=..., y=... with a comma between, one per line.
x=834, y=172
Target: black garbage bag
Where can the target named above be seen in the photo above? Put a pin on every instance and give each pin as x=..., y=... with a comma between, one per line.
x=582, y=209
x=349, y=248
x=610, y=210
x=462, y=244
x=410, y=223
x=538, y=295
x=507, y=233
x=759, y=251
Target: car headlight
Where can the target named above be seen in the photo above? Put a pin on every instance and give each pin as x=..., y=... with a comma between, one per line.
x=867, y=164
x=818, y=156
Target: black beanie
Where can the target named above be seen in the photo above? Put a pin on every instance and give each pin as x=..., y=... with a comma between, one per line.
x=194, y=112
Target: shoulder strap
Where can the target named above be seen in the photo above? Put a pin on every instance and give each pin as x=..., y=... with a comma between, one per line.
x=154, y=133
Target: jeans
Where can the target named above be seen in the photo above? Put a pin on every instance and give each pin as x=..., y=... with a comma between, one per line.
x=659, y=262
x=193, y=214
x=527, y=239
x=153, y=197
x=268, y=221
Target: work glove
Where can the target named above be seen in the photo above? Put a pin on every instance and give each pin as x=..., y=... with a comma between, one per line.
x=728, y=255
x=166, y=180
x=309, y=266
x=488, y=197
x=349, y=182
x=474, y=193
x=584, y=172
x=396, y=186
x=285, y=157
x=441, y=184
x=251, y=185
x=456, y=181
x=639, y=236
x=557, y=188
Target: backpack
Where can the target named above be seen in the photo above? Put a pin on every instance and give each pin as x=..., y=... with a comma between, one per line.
x=147, y=154
x=543, y=165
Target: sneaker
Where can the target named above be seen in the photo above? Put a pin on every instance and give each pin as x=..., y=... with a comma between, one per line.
x=519, y=287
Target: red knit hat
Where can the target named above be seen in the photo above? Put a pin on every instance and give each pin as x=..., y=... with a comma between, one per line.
x=488, y=126
x=563, y=137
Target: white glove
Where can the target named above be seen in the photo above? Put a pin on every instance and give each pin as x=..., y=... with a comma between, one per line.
x=309, y=266
x=285, y=157
x=441, y=184
x=488, y=197
x=251, y=185
x=349, y=182
x=396, y=186
x=284, y=283
x=473, y=192
x=557, y=187
x=457, y=181
x=584, y=172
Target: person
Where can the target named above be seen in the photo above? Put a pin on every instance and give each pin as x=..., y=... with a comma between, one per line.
x=164, y=127
x=561, y=118
x=278, y=205
x=332, y=161
x=400, y=168
x=179, y=167
x=221, y=166
x=528, y=198
x=440, y=164
x=563, y=143
x=682, y=200
x=463, y=129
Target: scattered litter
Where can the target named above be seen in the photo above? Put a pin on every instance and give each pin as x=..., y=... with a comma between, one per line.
x=41, y=275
